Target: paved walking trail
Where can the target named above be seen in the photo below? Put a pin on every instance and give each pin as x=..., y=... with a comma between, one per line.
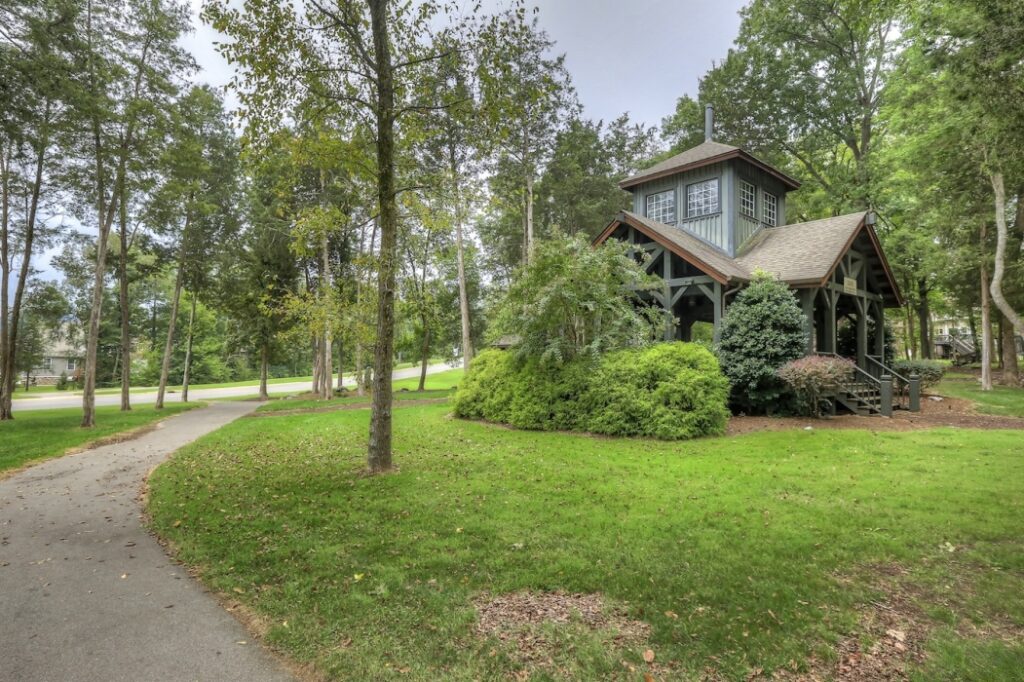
x=87, y=594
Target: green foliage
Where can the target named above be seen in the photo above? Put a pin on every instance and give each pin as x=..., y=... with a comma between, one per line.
x=930, y=371
x=574, y=300
x=62, y=382
x=812, y=376
x=669, y=391
x=762, y=330
x=846, y=341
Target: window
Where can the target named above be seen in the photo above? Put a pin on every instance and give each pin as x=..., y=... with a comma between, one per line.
x=662, y=207
x=47, y=364
x=748, y=199
x=771, y=209
x=702, y=198
x=71, y=364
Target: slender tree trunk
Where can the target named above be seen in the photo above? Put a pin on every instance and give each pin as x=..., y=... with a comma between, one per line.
x=467, y=329
x=911, y=333
x=986, y=320
x=264, y=362
x=122, y=276
x=1000, y=334
x=529, y=217
x=326, y=372
x=379, y=450
x=999, y=189
x=1011, y=368
x=165, y=367
x=341, y=367
x=425, y=351
x=360, y=383
x=188, y=350
x=5, y=278
x=316, y=365
x=924, y=319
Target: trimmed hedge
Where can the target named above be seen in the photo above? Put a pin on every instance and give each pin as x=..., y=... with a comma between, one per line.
x=670, y=391
x=930, y=371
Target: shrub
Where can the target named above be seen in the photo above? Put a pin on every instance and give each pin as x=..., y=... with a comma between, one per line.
x=930, y=371
x=668, y=391
x=575, y=300
x=62, y=381
x=762, y=330
x=812, y=376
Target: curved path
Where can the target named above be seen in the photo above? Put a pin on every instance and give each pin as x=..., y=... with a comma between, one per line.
x=87, y=594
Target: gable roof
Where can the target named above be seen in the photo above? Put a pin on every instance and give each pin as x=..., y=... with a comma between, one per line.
x=702, y=255
x=704, y=154
x=802, y=254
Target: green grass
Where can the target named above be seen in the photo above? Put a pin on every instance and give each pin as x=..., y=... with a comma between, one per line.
x=1004, y=401
x=438, y=385
x=42, y=434
x=741, y=553
x=32, y=393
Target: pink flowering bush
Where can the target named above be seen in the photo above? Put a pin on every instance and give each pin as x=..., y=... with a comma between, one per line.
x=813, y=376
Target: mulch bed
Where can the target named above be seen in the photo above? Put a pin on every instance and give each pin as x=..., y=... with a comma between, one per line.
x=934, y=413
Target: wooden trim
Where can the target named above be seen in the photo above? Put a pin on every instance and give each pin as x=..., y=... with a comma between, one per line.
x=862, y=226
x=734, y=154
x=668, y=244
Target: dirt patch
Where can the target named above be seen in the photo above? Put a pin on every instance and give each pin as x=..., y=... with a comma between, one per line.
x=522, y=620
x=934, y=413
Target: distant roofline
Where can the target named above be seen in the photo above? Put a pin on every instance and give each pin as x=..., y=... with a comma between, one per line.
x=736, y=153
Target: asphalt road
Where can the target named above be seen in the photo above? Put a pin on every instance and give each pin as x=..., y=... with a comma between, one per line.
x=89, y=596
x=53, y=401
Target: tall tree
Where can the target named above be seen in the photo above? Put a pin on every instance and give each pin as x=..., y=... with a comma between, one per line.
x=526, y=96
x=132, y=58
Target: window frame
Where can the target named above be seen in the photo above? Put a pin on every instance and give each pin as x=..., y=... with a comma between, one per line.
x=718, y=197
x=752, y=214
x=71, y=365
x=675, y=206
x=769, y=202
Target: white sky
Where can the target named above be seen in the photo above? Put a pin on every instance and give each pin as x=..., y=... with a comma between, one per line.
x=637, y=56
x=624, y=55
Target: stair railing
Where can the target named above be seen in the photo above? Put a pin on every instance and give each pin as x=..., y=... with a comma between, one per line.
x=903, y=389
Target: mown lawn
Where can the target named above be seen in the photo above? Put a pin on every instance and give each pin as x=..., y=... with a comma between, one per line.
x=40, y=434
x=439, y=385
x=1004, y=401
x=743, y=553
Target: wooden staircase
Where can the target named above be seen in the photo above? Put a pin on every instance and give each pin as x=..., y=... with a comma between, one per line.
x=860, y=397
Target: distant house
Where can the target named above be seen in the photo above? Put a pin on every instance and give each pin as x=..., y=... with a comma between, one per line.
x=60, y=357
x=706, y=219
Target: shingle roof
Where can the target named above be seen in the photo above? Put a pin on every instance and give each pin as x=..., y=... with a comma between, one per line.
x=703, y=154
x=803, y=252
x=698, y=250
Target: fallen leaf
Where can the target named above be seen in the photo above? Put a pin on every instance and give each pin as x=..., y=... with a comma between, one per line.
x=649, y=656
x=358, y=576
x=239, y=590
x=177, y=523
x=898, y=635
x=671, y=614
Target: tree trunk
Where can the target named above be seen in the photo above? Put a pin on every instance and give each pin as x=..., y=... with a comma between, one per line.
x=924, y=319
x=529, y=217
x=13, y=316
x=467, y=329
x=379, y=451
x=165, y=367
x=986, y=320
x=341, y=367
x=911, y=333
x=425, y=350
x=6, y=386
x=326, y=371
x=316, y=365
x=360, y=383
x=122, y=276
x=188, y=350
x=999, y=190
x=1011, y=368
x=264, y=362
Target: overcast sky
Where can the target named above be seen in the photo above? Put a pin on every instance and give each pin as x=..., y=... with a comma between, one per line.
x=633, y=55
x=637, y=56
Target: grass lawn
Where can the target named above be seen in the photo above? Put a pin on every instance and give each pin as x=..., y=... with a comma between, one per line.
x=438, y=385
x=1004, y=401
x=37, y=435
x=35, y=391
x=753, y=552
